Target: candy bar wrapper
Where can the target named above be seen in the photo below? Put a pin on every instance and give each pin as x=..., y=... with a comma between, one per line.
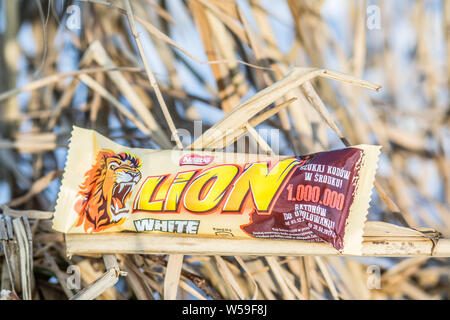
x=321, y=197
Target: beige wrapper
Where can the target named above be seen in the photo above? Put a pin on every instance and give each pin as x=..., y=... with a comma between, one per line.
x=107, y=187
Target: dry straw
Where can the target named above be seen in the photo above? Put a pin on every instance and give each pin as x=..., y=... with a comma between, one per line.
x=292, y=91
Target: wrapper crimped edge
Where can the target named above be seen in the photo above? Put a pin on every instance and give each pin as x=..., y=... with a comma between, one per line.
x=64, y=216
x=354, y=229
x=82, y=152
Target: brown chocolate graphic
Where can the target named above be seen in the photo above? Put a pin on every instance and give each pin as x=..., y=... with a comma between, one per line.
x=315, y=201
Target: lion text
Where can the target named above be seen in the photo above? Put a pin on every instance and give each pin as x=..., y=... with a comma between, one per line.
x=223, y=187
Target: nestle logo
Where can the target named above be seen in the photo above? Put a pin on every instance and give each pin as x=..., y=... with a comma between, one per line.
x=195, y=160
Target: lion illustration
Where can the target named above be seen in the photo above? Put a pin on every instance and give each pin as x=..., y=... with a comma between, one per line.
x=106, y=189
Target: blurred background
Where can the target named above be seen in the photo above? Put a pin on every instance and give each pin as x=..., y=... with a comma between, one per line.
x=208, y=56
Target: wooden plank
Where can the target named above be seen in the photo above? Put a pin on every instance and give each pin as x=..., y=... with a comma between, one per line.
x=381, y=239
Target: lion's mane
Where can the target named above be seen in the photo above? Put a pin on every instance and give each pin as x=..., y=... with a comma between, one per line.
x=92, y=204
